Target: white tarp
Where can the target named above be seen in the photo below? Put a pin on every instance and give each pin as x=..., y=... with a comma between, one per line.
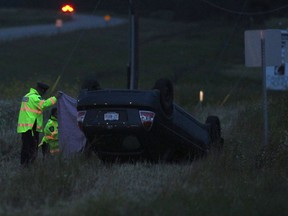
x=71, y=138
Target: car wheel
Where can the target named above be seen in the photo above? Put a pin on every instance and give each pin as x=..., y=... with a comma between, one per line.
x=215, y=131
x=165, y=87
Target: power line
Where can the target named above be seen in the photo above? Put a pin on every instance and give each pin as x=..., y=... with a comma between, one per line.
x=242, y=12
x=68, y=60
x=220, y=55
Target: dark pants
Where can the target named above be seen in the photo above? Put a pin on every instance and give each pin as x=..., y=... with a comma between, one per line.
x=29, y=147
x=45, y=150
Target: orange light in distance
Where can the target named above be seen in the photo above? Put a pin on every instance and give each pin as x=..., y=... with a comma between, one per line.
x=67, y=9
x=107, y=18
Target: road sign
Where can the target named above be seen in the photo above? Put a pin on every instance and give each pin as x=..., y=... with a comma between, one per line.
x=253, y=49
x=268, y=49
x=273, y=53
x=277, y=77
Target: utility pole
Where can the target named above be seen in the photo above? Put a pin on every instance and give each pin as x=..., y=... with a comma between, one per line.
x=265, y=103
x=132, y=70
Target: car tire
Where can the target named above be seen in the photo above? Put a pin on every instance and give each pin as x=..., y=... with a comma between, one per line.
x=215, y=131
x=165, y=87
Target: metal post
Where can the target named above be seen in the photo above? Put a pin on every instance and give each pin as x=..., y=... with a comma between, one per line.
x=265, y=103
x=133, y=57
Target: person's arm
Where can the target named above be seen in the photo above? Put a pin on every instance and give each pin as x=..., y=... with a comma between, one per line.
x=44, y=104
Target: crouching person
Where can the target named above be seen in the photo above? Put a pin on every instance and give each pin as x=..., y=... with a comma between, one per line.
x=49, y=142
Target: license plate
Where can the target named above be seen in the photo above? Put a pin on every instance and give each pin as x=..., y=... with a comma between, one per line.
x=111, y=116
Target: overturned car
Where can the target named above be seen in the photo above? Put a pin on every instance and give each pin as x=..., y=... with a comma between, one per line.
x=122, y=124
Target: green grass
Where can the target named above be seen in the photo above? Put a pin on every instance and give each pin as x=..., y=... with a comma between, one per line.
x=246, y=179
x=10, y=17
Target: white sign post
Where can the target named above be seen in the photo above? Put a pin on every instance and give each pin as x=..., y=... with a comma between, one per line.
x=268, y=49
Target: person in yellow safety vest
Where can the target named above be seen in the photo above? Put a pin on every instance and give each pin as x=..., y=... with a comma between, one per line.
x=49, y=142
x=30, y=120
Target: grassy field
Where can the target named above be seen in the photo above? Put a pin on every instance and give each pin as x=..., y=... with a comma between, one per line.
x=11, y=17
x=246, y=179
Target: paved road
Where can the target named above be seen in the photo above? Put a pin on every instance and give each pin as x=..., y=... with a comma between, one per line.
x=79, y=22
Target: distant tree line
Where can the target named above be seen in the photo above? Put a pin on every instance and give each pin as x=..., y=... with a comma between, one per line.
x=177, y=9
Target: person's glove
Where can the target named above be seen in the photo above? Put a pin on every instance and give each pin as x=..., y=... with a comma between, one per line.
x=58, y=94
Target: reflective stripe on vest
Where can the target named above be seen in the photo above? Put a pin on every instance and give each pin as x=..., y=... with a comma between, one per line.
x=31, y=111
x=53, y=151
x=28, y=125
x=26, y=108
x=51, y=137
x=52, y=100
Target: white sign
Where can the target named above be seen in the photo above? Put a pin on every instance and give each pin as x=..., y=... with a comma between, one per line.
x=253, y=55
x=277, y=77
x=262, y=45
x=271, y=47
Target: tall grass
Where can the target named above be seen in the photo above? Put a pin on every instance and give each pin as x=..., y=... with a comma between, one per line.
x=247, y=178
x=11, y=17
